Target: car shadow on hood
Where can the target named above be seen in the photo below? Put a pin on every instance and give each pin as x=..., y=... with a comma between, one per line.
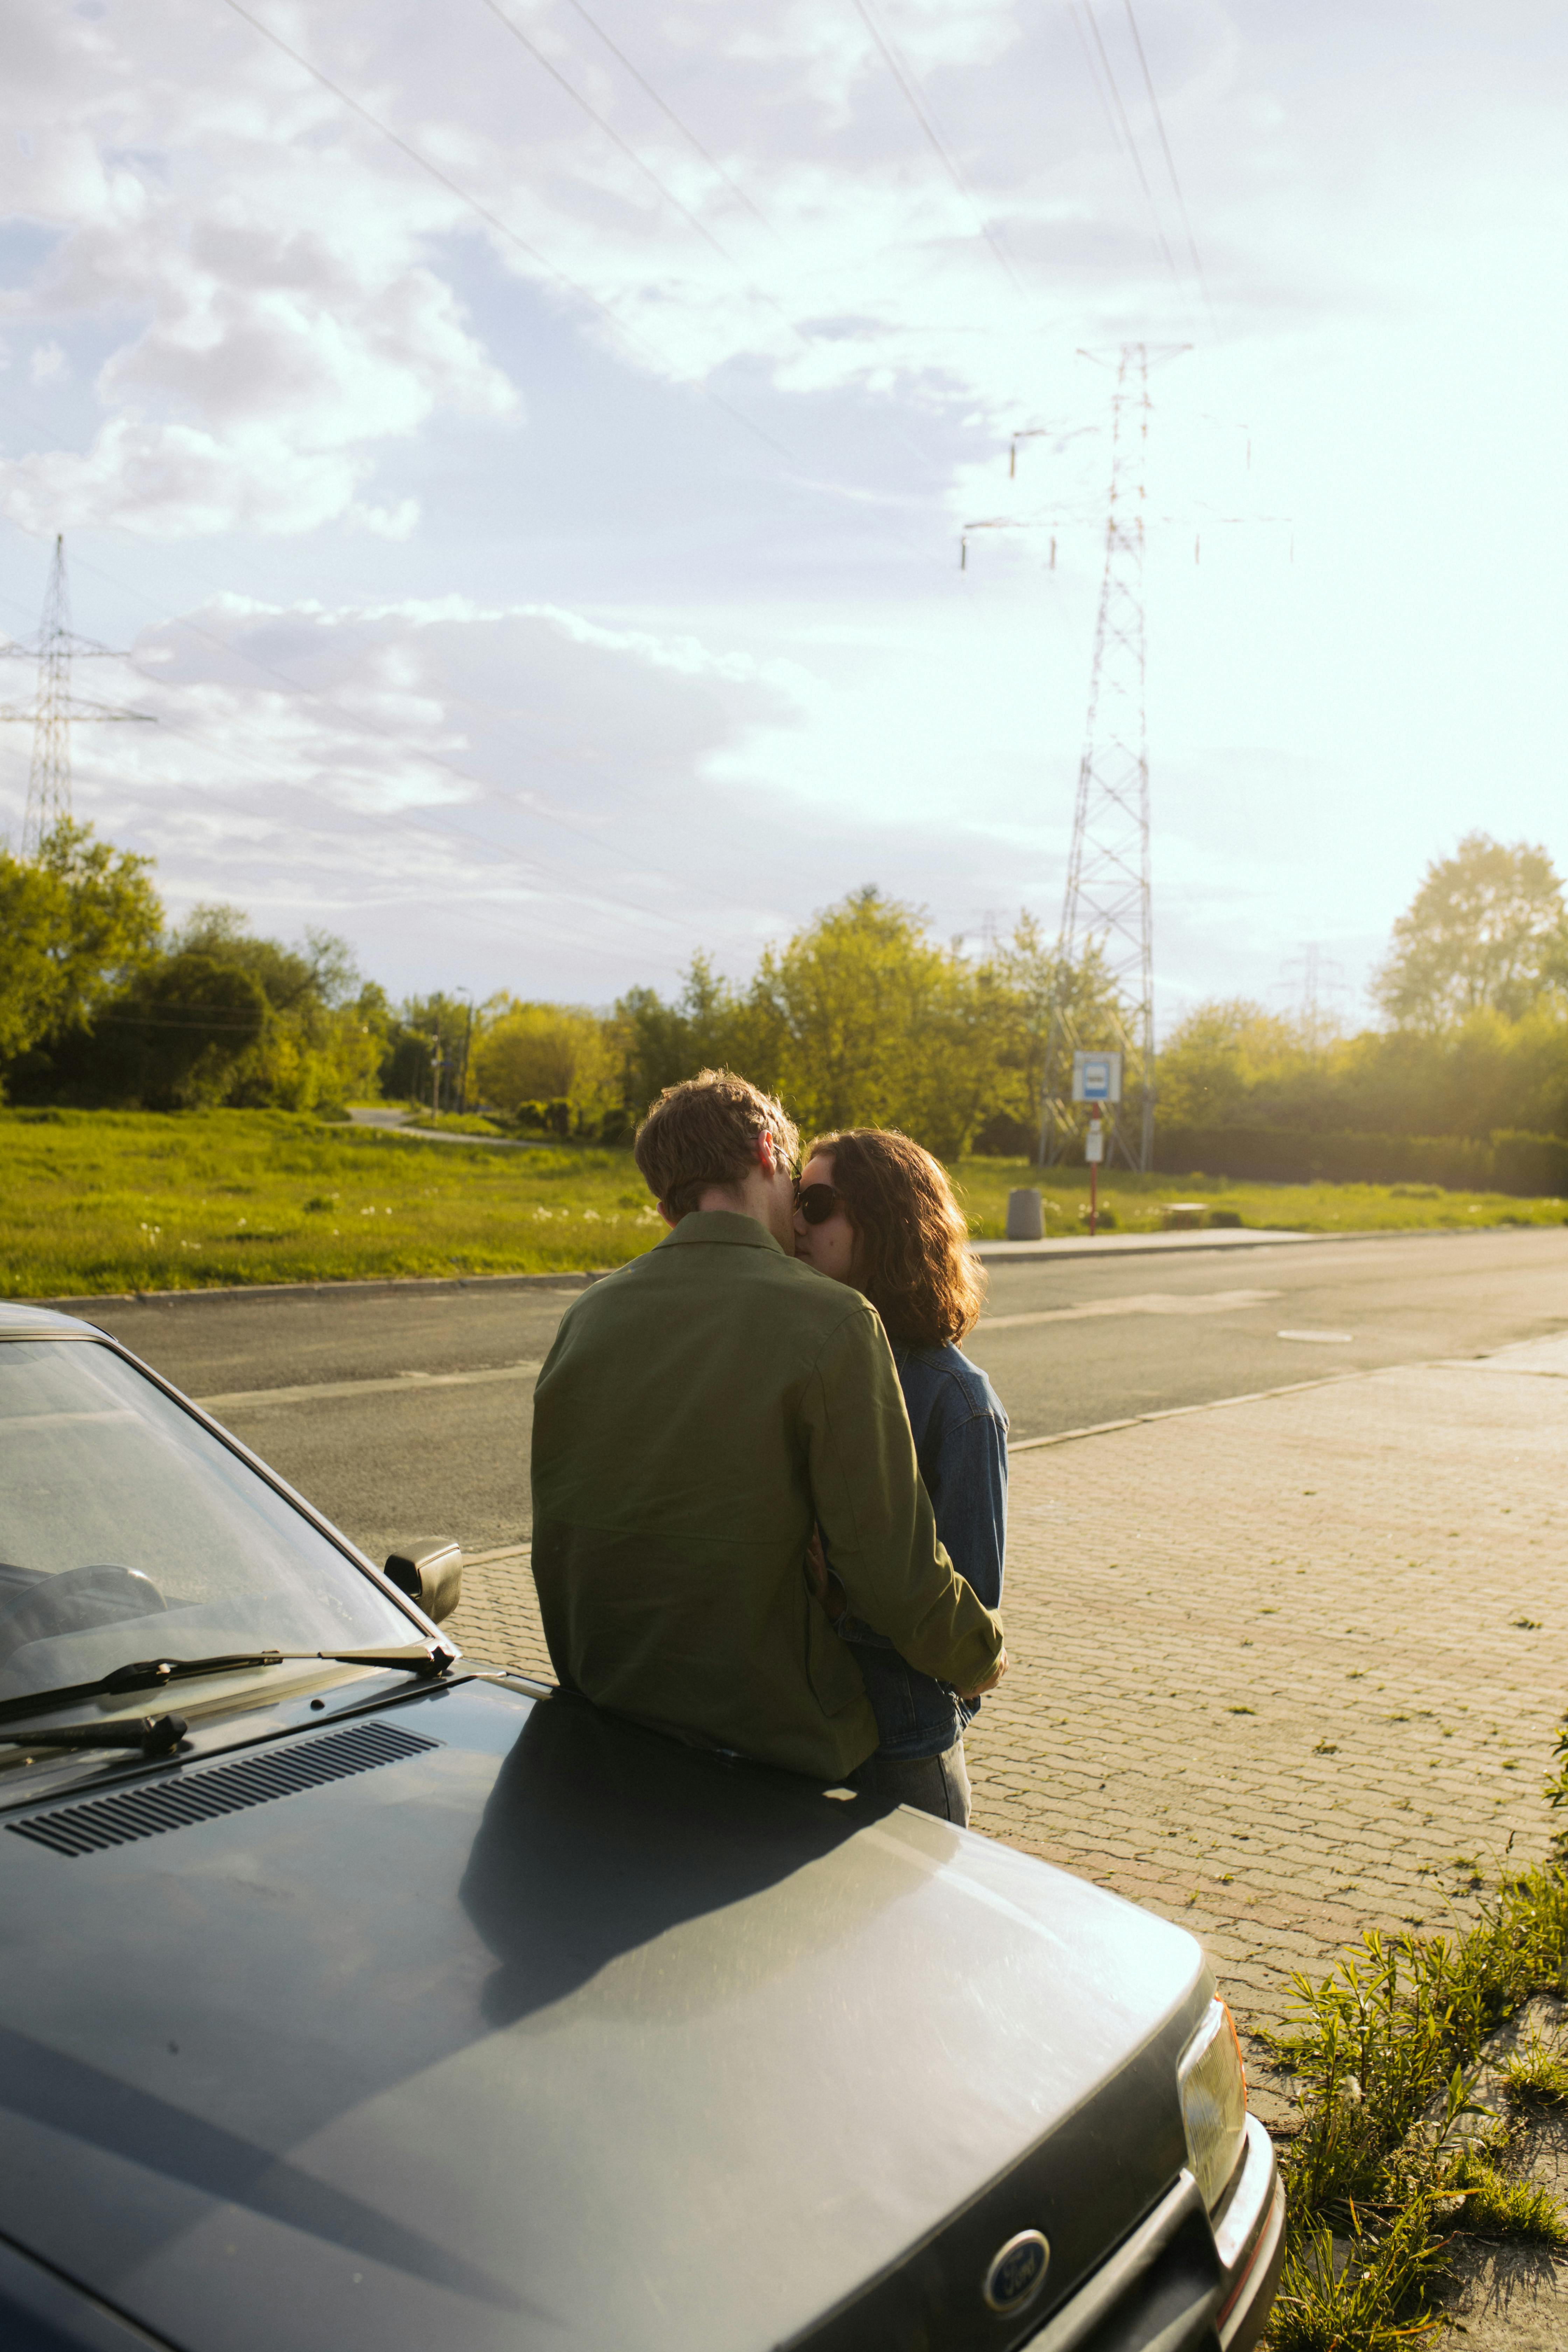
x=600, y=1835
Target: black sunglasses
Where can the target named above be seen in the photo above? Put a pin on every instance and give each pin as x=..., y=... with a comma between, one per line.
x=816, y=1202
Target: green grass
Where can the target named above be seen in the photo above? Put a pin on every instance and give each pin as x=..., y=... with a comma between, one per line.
x=1536, y=2076
x=1496, y=2207
x=1135, y=1202
x=452, y=1122
x=109, y=1200
x=102, y=1200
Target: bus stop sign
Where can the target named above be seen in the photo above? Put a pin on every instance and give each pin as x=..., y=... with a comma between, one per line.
x=1097, y=1077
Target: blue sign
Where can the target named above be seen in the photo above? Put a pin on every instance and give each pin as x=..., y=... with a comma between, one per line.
x=1097, y=1077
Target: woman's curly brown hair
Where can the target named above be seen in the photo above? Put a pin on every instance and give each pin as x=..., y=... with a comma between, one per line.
x=912, y=1257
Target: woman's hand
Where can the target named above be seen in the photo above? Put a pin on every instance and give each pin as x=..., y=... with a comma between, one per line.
x=991, y=1679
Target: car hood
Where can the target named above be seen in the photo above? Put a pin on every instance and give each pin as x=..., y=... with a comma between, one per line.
x=540, y=2031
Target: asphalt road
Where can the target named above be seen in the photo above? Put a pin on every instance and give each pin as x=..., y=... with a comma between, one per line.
x=406, y=1413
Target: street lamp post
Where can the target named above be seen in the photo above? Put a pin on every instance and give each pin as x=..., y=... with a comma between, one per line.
x=468, y=1040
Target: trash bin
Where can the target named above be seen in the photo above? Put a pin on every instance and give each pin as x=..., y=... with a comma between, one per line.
x=1025, y=1217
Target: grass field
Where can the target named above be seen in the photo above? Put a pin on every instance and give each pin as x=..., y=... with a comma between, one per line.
x=1136, y=1202
x=102, y=1200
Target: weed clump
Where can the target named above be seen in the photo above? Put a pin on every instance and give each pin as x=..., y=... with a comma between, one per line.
x=1536, y=2076
x=1386, y=2166
x=1496, y=2207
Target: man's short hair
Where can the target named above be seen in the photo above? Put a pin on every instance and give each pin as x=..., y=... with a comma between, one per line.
x=704, y=1131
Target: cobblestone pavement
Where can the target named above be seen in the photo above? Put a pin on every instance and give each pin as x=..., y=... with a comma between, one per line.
x=1282, y=1669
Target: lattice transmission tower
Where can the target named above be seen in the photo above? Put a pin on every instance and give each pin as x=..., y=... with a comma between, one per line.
x=54, y=709
x=1104, y=994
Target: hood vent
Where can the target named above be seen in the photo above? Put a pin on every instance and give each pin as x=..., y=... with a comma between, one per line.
x=200, y=1796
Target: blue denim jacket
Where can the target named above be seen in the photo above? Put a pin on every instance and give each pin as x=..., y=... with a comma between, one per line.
x=960, y=1445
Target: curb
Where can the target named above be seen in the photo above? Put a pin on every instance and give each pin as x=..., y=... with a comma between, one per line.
x=1226, y=1238
x=994, y=1253
x=1206, y=1404
x=369, y=1289
x=1144, y=1245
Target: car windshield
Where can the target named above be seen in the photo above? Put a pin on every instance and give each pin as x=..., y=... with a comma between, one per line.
x=127, y=1530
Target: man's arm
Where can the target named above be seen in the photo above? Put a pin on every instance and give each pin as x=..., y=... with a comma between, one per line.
x=876, y=1517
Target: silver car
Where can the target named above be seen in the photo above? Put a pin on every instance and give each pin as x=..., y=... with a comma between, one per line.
x=355, y=1993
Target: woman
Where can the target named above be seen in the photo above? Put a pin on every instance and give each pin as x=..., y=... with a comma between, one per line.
x=873, y=1210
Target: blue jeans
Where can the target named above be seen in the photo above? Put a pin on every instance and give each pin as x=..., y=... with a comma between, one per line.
x=916, y=1717
x=931, y=1784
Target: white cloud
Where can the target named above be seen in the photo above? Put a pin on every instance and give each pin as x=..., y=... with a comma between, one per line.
x=49, y=364
x=276, y=324
x=273, y=320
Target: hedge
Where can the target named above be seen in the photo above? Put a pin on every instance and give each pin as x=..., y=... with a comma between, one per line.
x=1532, y=1166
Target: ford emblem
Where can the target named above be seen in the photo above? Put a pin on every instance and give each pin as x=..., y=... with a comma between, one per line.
x=1018, y=2272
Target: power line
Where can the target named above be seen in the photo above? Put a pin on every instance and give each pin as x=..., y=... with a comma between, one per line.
x=539, y=872
x=668, y=111
x=1170, y=159
x=949, y=161
x=363, y=724
x=502, y=228
x=1131, y=143
x=1076, y=13
x=556, y=76
x=487, y=852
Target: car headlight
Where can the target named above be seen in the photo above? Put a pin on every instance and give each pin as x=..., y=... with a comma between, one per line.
x=1213, y=2085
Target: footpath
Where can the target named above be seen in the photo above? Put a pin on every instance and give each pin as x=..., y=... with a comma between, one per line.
x=1283, y=1669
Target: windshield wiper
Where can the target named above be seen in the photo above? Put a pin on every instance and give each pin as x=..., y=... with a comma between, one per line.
x=154, y=1735
x=154, y=1674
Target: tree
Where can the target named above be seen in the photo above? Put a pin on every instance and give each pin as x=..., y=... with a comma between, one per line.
x=409, y=1039
x=711, y=1025
x=1229, y=1063
x=1485, y=932
x=545, y=1052
x=189, y=1027
x=319, y=1043
x=872, y=1023
x=77, y=921
x=1021, y=974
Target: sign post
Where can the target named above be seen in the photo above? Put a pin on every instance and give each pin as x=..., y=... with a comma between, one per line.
x=1094, y=1152
x=1096, y=1080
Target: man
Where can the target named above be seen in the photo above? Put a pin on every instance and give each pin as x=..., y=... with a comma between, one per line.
x=698, y=1411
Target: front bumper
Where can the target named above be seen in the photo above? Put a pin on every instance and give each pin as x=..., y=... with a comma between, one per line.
x=1181, y=2282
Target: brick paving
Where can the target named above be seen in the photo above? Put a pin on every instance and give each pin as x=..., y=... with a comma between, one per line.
x=1267, y=1672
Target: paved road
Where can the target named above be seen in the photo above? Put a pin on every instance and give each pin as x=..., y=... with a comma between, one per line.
x=406, y=1413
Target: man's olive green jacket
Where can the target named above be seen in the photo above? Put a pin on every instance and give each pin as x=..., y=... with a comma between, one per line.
x=698, y=1410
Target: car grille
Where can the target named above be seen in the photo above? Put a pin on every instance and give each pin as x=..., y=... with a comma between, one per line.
x=187, y=1796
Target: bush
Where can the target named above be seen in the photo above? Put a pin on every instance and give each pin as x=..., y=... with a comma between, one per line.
x=545, y=1118
x=1532, y=1166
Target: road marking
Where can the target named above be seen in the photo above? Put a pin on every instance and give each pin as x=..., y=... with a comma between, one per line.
x=404, y=1384
x=1146, y=1302
x=1318, y=1339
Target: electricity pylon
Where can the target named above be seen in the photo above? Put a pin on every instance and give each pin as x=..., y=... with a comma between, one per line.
x=54, y=709
x=1311, y=977
x=1107, y=911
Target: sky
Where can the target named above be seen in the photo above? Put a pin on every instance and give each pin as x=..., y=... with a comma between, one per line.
x=520, y=451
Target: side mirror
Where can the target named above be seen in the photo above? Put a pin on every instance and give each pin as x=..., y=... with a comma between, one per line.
x=431, y=1573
